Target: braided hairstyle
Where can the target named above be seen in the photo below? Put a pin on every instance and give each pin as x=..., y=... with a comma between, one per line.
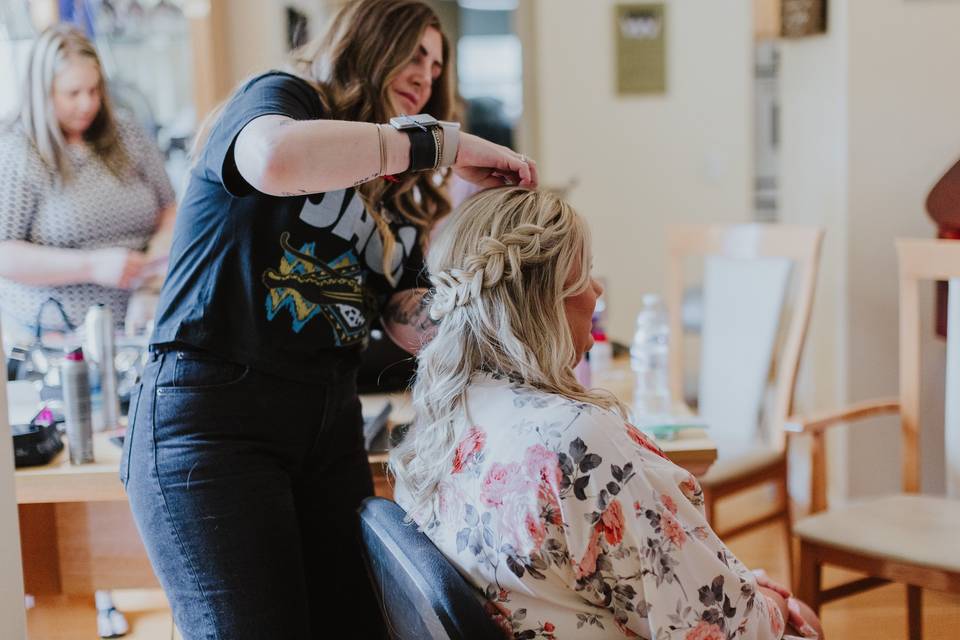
x=501, y=269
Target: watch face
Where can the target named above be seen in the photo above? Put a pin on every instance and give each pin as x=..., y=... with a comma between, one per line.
x=419, y=121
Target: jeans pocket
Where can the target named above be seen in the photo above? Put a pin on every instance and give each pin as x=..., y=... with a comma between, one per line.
x=198, y=371
x=128, y=437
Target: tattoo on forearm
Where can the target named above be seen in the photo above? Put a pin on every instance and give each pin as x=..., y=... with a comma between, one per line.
x=412, y=310
x=290, y=194
x=367, y=179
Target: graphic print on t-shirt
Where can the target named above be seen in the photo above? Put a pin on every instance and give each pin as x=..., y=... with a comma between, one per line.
x=308, y=286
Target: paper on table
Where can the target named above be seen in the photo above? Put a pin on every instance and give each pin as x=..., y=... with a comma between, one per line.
x=667, y=426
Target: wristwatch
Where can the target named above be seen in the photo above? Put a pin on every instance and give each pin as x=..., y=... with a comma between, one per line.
x=433, y=143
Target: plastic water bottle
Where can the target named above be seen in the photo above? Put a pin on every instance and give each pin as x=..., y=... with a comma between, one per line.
x=649, y=359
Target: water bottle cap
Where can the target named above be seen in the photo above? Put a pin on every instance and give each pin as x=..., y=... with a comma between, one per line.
x=651, y=299
x=76, y=355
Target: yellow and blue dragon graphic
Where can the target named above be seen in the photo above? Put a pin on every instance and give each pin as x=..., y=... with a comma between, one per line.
x=307, y=286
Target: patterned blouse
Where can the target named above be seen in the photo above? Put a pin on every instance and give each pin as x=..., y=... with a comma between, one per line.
x=574, y=525
x=94, y=210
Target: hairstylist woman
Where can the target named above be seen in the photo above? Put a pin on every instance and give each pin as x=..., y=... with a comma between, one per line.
x=81, y=191
x=245, y=461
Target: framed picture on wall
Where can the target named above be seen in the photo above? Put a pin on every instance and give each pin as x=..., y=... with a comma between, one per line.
x=800, y=18
x=640, y=36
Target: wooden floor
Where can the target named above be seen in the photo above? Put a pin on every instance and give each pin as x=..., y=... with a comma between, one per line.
x=875, y=615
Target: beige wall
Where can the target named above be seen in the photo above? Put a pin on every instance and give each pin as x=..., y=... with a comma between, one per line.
x=904, y=131
x=642, y=162
x=257, y=32
x=869, y=124
x=813, y=191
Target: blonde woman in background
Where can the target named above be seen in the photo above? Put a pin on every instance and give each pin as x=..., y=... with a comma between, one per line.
x=304, y=219
x=84, y=189
x=569, y=520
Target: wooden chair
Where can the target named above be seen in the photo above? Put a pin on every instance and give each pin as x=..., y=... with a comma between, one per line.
x=746, y=308
x=907, y=537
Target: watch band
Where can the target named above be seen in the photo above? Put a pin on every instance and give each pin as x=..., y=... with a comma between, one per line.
x=423, y=149
x=433, y=144
x=451, y=143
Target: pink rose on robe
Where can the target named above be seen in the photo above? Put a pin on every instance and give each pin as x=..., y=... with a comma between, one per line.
x=642, y=440
x=502, y=481
x=672, y=529
x=551, y=502
x=471, y=445
x=588, y=564
x=544, y=468
x=535, y=529
x=543, y=465
x=689, y=487
x=705, y=631
x=669, y=503
x=612, y=522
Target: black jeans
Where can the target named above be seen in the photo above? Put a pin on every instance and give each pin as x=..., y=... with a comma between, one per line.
x=245, y=487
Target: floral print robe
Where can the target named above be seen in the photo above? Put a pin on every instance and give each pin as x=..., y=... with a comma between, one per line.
x=574, y=525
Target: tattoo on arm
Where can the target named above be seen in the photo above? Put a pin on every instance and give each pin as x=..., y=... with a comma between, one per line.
x=367, y=179
x=412, y=309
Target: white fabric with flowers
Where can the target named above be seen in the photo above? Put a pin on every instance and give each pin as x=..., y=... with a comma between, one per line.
x=574, y=525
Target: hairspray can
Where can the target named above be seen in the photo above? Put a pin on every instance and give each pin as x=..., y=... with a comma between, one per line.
x=76, y=407
x=100, y=333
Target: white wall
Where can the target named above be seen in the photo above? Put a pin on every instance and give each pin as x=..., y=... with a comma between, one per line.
x=12, y=613
x=257, y=32
x=643, y=162
x=813, y=191
x=869, y=124
x=904, y=131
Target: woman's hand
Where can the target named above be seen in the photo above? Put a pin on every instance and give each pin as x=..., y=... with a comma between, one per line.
x=486, y=164
x=117, y=267
x=763, y=580
x=803, y=619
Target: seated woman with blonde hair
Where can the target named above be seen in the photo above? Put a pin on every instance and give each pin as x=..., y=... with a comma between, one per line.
x=568, y=519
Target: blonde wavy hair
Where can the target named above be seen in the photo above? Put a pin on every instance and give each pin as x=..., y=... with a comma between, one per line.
x=51, y=51
x=501, y=269
x=351, y=66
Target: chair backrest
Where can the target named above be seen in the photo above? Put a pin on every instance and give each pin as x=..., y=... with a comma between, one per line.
x=922, y=260
x=747, y=277
x=421, y=594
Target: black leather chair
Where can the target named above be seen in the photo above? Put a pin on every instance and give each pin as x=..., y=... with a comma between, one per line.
x=421, y=594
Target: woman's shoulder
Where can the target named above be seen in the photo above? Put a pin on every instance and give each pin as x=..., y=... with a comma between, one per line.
x=494, y=396
x=568, y=419
x=17, y=149
x=14, y=138
x=127, y=126
x=280, y=78
x=503, y=391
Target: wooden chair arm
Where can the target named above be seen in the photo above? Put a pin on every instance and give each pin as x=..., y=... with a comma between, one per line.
x=816, y=427
x=857, y=411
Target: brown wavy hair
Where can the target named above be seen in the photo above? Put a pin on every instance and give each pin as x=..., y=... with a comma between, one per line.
x=49, y=53
x=351, y=66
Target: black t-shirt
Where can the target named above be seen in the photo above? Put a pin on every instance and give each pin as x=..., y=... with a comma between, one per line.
x=287, y=285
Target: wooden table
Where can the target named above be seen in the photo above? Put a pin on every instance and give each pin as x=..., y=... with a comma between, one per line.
x=77, y=533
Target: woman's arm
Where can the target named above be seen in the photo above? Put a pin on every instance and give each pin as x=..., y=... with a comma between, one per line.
x=281, y=156
x=406, y=319
x=37, y=265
